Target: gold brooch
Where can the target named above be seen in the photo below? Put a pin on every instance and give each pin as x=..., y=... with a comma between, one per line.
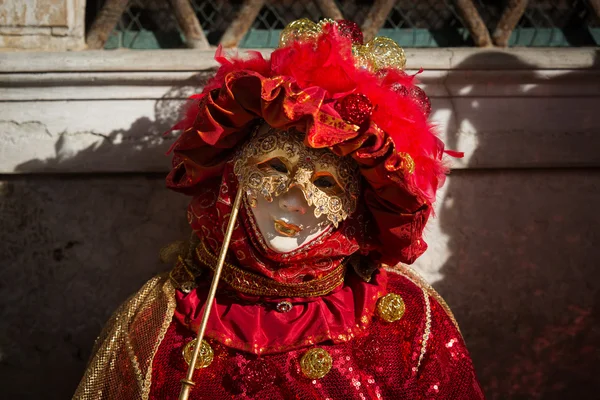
x=315, y=363
x=205, y=355
x=391, y=307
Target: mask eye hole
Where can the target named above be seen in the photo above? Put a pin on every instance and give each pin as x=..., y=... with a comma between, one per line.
x=327, y=183
x=324, y=182
x=274, y=164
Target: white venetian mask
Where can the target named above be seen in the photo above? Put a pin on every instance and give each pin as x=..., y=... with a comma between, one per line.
x=296, y=193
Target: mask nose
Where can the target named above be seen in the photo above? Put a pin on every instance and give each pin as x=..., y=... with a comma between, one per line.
x=293, y=201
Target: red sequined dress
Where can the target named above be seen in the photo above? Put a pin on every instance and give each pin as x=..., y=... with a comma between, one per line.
x=420, y=356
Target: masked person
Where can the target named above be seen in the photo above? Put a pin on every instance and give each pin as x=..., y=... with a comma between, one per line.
x=329, y=142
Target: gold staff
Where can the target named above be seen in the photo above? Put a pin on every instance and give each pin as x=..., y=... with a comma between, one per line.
x=187, y=383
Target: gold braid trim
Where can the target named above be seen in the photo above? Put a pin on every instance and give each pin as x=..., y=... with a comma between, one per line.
x=254, y=284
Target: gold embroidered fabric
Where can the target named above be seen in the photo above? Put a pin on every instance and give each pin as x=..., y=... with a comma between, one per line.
x=250, y=283
x=299, y=166
x=121, y=363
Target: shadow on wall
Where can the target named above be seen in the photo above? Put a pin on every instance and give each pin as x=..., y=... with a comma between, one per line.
x=75, y=246
x=142, y=145
x=523, y=275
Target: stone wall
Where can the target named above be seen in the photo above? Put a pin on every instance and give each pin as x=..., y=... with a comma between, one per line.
x=513, y=246
x=45, y=25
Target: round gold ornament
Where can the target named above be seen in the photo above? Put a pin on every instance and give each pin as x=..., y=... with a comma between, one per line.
x=316, y=363
x=299, y=30
x=386, y=53
x=205, y=355
x=391, y=307
x=362, y=56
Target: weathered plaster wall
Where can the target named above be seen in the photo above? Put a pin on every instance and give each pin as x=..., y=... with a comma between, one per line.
x=73, y=248
x=45, y=25
x=513, y=248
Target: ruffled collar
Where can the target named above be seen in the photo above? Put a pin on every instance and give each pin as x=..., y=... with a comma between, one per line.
x=254, y=324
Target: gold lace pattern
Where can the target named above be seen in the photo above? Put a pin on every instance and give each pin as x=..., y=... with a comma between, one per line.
x=304, y=166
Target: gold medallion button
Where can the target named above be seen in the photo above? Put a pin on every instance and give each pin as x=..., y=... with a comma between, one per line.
x=205, y=355
x=315, y=363
x=390, y=307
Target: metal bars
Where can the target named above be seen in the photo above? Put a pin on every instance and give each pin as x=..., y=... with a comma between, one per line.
x=426, y=23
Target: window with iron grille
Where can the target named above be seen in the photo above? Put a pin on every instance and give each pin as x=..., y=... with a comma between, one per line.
x=150, y=24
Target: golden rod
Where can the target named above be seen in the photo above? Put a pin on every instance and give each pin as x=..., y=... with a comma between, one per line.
x=187, y=383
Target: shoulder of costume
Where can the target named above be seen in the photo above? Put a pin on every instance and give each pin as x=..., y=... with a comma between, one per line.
x=415, y=281
x=147, y=314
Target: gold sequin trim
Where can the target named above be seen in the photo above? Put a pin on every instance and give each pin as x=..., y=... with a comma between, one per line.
x=316, y=363
x=250, y=283
x=427, y=331
x=391, y=307
x=205, y=355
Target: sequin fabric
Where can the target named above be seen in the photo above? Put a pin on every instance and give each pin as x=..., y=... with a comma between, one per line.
x=381, y=364
x=354, y=108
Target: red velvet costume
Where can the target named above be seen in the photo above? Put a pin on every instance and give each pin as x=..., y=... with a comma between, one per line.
x=381, y=331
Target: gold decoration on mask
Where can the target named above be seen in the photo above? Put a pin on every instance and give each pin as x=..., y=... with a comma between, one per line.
x=316, y=363
x=391, y=307
x=302, y=168
x=299, y=30
x=205, y=356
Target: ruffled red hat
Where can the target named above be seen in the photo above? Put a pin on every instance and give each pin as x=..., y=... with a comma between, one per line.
x=350, y=97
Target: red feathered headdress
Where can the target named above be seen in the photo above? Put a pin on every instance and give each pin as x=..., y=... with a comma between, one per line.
x=351, y=98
